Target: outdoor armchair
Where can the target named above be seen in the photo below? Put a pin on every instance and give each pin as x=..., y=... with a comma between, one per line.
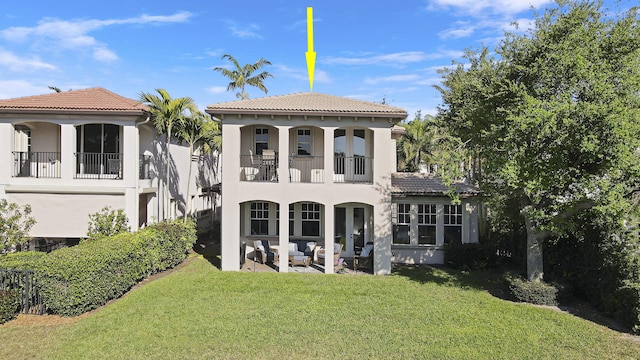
x=337, y=251
x=264, y=253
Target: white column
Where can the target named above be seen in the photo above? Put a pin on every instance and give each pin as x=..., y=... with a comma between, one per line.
x=283, y=155
x=382, y=238
x=67, y=150
x=329, y=235
x=284, y=237
x=6, y=160
x=328, y=154
x=230, y=217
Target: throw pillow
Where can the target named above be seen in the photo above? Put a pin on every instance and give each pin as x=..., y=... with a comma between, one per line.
x=366, y=250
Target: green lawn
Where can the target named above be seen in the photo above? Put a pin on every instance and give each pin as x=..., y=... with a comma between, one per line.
x=200, y=312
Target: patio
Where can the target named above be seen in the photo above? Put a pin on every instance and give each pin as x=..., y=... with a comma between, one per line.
x=253, y=266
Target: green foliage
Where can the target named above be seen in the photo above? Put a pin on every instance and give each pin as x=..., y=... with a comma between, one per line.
x=241, y=76
x=554, y=118
x=533, y=292
x=470, y=256
x=24, y=260
x=107, y=222
x=15, y=223
x=78, y=279
x=9, y=305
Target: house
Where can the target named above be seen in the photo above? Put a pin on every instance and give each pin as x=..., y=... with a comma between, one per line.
x=322, y=168
x=70, y=154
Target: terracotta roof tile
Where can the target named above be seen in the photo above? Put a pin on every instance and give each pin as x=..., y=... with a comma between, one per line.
x=424, y=184
x=93, y=99
x=307, y=103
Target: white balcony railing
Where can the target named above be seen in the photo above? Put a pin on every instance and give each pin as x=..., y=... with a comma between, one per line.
x=306, y=169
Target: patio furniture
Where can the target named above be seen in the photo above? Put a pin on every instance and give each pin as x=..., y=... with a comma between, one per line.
x=43, y=245
x=302, y=247
x=337, y=251
x=264, y=252
x=365, y=259
x=300, y=260
x=269, y=164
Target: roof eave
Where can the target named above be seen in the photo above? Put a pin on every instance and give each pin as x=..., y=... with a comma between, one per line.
x=72, y=112
x=384, y=115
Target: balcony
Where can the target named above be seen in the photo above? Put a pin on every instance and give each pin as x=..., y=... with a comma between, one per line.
x=36, y=164
x=144, y=167
x=353, y=169
x=99, y=166
x=260, y=168
x=306, y=169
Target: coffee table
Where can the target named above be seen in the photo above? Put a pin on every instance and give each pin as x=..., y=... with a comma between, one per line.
x=300, y=260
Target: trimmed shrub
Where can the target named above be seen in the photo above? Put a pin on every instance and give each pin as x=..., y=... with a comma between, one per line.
x=81, y=278
x=538, y=293
x=9, y=305
x=23, y=260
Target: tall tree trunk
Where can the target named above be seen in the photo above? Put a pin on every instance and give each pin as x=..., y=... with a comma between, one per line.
x=535, y=270
x=187, y=210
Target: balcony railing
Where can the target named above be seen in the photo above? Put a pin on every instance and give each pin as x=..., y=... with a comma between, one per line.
x=352, y=169
x=98, y=166
x=144, y=164
x=259, y=168
x=36, y=164
x=306, y=169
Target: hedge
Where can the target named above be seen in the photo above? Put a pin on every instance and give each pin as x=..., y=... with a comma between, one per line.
x=78, y=279
x=9, y=305
x=21, y=260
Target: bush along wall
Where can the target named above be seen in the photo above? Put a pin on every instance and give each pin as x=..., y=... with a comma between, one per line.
x=9, y=305
x=81, y=278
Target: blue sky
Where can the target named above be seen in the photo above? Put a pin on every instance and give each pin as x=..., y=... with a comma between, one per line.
x=366, y=50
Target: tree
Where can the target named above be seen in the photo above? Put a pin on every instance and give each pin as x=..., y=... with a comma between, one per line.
x=555, y=119
x=107, y=222
x=241, y=76
x=166, y=113
x=203, y=136
x=15, y=223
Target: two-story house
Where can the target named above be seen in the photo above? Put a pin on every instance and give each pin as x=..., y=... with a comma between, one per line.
x=70, y=154
x=321, y=167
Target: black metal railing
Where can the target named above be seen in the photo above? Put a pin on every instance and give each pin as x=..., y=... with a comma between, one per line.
x=306, y=169
x=144, y=164
x=98, y=166
x=24, y=282
x=259, y=168
x=38, y=164
x=352, y=169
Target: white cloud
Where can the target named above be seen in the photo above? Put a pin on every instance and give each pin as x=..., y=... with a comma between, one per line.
x=15, y=63
x=244, y=31
x=393, y=59
x=392, y=78
x=217, y=89
x=103, y=54
x=479, y=8
x=465, y=30
x=18, y=88
x=74, y=34
x=319, y=76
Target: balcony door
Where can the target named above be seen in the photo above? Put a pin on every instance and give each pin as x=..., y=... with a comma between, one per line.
x=350, y=227
x=98, y=147
x=351, y=155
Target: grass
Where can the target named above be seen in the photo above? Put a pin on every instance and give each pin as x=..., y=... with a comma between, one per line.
x=200, y=312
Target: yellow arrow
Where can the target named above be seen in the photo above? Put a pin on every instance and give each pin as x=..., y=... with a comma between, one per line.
x=310, y=54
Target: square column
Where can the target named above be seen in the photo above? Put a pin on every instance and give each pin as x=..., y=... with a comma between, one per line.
x=230, y=218
x=382, y=238
x=283, y=238
x=329, y=225
x=67, y=151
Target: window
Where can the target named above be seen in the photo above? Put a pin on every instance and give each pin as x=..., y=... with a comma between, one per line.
x=310, y=215
x=261, y=140
x=402, y=224
x=304, y=142
x=259, y=218
x=452, y=224
x=427, y=224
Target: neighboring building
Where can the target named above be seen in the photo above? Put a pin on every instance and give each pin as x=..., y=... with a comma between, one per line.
x=70, y=154
x=319, y=167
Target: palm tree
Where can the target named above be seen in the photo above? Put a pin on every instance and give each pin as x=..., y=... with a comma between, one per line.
x=202, y=135
x=166, y=113
x=241, y=76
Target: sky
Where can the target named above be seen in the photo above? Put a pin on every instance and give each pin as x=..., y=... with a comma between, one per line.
x=371, y=50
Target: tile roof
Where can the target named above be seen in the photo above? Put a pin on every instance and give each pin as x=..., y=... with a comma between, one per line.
x=424, y=184
x=86, y=100
x=308, y=103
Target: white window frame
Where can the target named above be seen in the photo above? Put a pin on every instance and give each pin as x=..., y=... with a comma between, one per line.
x=427, y=217
x=298, y=141
x=310, y=212
x=452, y=218
x=259, y=211
x=402, y=218
x=260, y=131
